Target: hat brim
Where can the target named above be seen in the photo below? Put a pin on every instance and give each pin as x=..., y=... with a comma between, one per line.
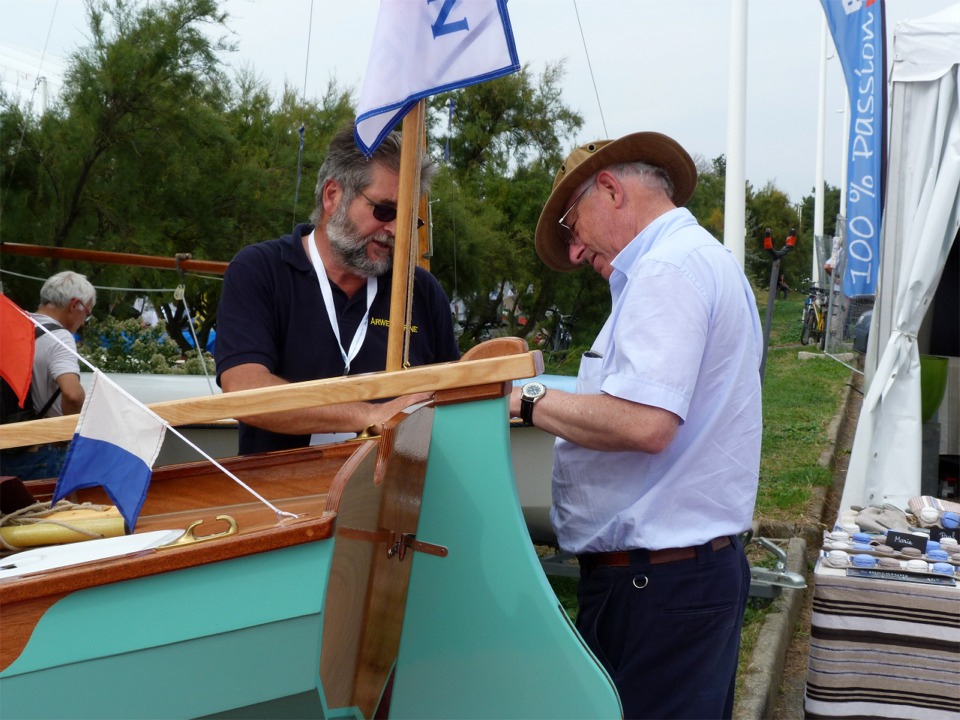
x=652, y=148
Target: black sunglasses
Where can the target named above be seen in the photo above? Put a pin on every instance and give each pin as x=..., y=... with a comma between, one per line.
x=386, y=213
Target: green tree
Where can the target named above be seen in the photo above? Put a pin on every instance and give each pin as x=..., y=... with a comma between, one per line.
x=506, y=138
x=152, y=149
x=707, y=203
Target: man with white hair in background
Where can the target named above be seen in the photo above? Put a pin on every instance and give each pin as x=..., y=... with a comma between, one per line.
x=66, y=303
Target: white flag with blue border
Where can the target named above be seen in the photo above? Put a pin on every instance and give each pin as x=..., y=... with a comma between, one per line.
x=115, y=445
x=425, y=47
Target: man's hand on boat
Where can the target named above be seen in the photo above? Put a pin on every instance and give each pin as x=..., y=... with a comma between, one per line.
x=344, y=417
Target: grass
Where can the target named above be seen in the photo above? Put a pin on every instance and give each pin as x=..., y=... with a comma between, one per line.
x=800, y=398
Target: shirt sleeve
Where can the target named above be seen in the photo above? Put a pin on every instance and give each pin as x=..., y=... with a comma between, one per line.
x=60, y=359
x=246, y=328
x=658, y=339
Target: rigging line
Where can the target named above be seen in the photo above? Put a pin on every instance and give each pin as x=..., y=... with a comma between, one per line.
x=302, y=130
x=196, y=341
x=108, y=287
x=33, y=94
x=590, y=67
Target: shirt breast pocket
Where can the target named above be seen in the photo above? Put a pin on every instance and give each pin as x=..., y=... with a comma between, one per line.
x=591, y=375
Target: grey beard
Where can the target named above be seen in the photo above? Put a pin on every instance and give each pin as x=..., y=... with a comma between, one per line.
x=350, y=249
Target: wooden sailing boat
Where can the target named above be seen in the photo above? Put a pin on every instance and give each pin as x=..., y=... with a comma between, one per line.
x=307, y=617
x=405, y=587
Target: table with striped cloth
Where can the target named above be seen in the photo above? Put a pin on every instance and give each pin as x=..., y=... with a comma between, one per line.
x=882, y=648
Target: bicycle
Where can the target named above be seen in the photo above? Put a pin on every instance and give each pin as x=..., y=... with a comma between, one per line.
x=813, y=320
x=560, y=339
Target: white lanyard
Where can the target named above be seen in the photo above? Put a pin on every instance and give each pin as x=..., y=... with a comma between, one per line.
x=327, y=293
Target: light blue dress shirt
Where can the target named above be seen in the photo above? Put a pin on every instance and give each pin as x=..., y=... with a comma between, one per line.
x=683, y=335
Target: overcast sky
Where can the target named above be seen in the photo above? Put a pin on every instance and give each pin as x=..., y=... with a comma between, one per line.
x=657, y=64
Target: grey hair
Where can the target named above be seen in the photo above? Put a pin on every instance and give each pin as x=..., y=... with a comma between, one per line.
x=651, y=175
x=65, y=286
x=346, y=165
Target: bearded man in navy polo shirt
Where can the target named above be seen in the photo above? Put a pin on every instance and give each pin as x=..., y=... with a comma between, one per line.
x=316, y=303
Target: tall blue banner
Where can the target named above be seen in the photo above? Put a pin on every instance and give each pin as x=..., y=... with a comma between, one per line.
x=857, y=27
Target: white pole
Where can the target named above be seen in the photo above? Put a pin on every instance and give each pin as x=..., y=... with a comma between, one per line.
x=817, y=261
x=734, y=224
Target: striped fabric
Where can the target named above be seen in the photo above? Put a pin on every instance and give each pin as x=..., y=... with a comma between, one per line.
x=882, y=649
x=916, y=504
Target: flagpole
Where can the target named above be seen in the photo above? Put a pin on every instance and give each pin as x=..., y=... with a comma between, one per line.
x=818, y=190
x=734, y=227
x=407, y=200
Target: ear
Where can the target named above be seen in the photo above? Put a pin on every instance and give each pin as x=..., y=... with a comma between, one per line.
x=610, y=185
x=330, y=196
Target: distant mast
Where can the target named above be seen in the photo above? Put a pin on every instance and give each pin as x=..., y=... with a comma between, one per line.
x=734, y=224
x=816, y=261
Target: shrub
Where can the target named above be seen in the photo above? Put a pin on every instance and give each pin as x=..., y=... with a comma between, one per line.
x=128, y=346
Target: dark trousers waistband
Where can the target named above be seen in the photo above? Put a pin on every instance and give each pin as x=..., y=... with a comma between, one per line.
x=623, y=558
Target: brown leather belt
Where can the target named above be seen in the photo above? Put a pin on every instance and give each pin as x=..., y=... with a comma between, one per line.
x=621, y=558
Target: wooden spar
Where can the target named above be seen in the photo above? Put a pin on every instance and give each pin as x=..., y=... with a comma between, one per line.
x=296, y=396
x=425, y=234
x=180, y=262
x=407, y=200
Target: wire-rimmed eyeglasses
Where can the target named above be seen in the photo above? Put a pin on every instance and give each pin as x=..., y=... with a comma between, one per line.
x=566, y=231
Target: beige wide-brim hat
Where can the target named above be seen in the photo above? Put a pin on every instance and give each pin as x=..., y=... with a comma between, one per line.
x=652, y=148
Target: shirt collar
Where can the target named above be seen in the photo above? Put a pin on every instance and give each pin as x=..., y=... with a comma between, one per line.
x=643, y=243
x=291, y=248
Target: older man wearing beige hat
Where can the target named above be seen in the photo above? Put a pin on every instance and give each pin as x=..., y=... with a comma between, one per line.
x=657, y=454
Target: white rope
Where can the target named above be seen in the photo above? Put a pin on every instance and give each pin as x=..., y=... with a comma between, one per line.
x=117, y=289
x=590, y=68
x=182, y=296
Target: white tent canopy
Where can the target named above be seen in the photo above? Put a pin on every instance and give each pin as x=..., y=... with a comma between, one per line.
x=921, y=221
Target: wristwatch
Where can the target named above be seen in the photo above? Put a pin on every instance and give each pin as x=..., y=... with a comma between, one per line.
x=529, y=394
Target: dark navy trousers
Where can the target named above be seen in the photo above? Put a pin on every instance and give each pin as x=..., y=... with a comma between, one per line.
x=668, y=634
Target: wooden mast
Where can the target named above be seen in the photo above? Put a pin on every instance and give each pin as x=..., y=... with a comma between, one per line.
x=407, y=201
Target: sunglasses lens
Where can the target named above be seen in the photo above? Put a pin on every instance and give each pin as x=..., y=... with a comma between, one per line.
x=565, y=234
x=384, y=213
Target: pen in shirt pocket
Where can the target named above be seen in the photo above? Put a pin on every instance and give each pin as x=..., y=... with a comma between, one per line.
x=592, y=354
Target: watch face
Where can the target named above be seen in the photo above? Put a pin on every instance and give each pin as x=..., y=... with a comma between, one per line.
x=533, y=390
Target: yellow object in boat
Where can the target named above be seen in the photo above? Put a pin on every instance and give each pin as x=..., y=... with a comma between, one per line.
x=65, y=526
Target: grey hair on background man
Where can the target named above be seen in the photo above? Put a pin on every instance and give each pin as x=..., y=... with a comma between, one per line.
x=652, y=175
x=348, y=166
x=63, y=287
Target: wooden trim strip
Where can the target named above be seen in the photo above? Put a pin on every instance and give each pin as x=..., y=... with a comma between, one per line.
x=296, y=396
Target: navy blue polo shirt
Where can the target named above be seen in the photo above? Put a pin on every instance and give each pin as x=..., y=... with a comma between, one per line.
x=272, y=313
